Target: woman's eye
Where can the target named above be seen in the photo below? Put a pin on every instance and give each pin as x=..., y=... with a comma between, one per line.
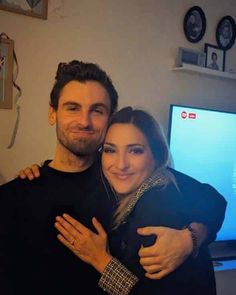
x=108, y=150
x=136, y=151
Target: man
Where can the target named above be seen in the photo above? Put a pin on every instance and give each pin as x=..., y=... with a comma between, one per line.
x=213, y=65
x=193, y=28
x=225, y=35
x=32, y=261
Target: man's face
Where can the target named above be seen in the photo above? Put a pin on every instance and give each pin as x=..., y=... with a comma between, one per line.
x=192, y=19
x=82, y=117
x=214, y=58
x=225, y=32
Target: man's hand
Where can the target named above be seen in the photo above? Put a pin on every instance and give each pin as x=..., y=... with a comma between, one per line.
x=29, y=172
x=171, y=249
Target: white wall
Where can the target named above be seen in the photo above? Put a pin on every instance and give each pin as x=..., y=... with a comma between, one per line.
x=135, y=41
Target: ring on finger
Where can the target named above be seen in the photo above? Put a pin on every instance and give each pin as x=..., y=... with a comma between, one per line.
x=72, y=241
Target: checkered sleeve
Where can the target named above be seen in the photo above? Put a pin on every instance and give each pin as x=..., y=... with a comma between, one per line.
x=117, y=279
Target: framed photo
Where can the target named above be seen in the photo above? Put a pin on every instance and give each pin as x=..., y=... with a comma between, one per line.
x=226, y=32
x=190, y=56
x=6, y=73
x=34, y=8
x=194, y=24
x=215, y=57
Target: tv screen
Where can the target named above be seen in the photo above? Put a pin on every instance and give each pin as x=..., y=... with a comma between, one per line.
x=203, y=145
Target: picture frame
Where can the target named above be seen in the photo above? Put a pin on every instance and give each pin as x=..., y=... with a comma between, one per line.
x=6, y=73
x=215, y=57
x=194, y=24
x=34, y=8
x=226, y=32
x=190, y=56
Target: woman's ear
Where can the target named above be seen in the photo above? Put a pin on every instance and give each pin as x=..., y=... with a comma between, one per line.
x=51, y=116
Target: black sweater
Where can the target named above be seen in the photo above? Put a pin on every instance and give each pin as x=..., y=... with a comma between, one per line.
x=32, y=260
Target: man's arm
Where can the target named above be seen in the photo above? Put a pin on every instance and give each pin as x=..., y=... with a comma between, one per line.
x=205, y=209
x=171, y=249
x=203, y=204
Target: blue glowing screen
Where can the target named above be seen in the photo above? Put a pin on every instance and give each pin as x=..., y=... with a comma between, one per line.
x=203, y=145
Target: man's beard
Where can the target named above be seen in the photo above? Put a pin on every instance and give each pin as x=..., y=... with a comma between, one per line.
x=80, y=147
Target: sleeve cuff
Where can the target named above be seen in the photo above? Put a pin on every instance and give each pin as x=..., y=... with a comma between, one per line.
x=117, y=279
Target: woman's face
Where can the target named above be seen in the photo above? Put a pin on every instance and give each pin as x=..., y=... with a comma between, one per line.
x=126, y=159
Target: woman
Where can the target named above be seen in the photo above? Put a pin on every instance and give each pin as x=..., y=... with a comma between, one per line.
x=134, y=161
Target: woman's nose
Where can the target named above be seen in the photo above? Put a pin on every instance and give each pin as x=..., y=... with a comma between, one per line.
x=122, y=161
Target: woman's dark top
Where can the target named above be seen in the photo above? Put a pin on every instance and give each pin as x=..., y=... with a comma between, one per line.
x=175, y=208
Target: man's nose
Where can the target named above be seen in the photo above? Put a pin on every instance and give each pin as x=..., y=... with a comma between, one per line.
x=84, y=119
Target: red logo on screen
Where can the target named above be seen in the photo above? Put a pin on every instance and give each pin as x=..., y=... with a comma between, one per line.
x=192, y=116
x=184, y=115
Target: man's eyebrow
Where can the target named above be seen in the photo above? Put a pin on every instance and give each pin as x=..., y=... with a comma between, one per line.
x=71, y=103
x=98, y=104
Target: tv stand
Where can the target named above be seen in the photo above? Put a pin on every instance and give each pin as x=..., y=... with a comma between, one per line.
x=223, y=250
x=225, y=273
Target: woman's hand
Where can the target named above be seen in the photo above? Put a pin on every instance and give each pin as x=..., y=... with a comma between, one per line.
x=90, y=247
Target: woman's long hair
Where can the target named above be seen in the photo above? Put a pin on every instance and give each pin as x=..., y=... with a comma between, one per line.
x=156, y=141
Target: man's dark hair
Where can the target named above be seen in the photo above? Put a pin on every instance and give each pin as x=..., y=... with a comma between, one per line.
x=82, y=72
x=213, y=54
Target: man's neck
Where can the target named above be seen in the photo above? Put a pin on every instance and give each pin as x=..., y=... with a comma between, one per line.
x=69, y=162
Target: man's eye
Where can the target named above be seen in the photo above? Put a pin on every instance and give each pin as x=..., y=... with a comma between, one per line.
x=99, y=111
x=108, y=150
x=72, y=108
x=136, y=151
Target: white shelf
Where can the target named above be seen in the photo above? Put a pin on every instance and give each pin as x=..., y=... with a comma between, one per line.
x=205, y=71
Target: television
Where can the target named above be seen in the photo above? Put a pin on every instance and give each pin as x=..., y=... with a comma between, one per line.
x=203, y=145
